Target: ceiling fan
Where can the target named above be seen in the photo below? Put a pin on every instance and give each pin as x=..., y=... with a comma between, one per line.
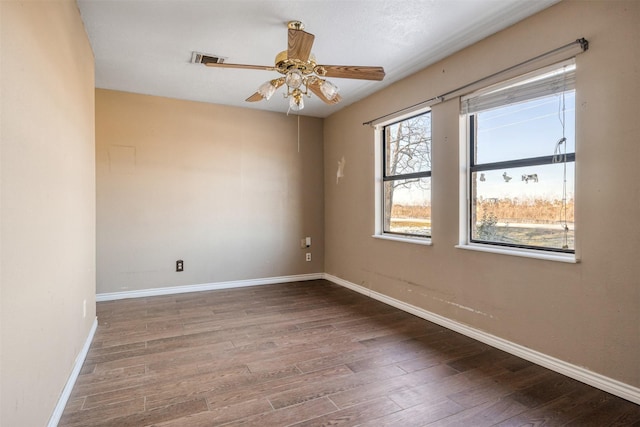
x=301, y=72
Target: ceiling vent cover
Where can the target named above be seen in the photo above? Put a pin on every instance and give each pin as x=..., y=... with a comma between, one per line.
x=206, y=58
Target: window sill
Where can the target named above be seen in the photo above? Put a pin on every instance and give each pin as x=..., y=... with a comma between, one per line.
x=549, y=256
x=425, y=241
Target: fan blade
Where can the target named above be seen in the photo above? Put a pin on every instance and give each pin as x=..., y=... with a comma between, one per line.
x=315, y=88
x=350, y=72
x=248, y=67
x=299, y=45
x=255, y=97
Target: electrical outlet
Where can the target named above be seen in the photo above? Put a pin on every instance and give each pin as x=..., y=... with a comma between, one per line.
x=179, y=265
x=308, y=258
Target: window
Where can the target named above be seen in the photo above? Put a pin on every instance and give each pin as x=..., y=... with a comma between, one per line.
x=406, y=177
x=521, y=162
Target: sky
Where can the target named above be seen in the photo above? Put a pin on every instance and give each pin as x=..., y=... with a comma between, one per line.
x=529, y=129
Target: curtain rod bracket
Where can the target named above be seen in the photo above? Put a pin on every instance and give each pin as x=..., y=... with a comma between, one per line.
x=584, y=43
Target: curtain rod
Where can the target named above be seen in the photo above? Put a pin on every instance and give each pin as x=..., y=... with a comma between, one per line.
x=582, y=43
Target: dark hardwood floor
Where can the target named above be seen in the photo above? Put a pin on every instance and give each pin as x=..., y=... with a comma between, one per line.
x=311, y=354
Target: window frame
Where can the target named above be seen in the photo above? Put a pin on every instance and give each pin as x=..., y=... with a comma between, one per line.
x=469, y=166
x=382, y=178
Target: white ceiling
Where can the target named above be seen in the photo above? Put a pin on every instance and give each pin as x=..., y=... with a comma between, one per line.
x=144, y=46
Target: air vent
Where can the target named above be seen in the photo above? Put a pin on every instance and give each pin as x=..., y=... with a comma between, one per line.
x=205, y=58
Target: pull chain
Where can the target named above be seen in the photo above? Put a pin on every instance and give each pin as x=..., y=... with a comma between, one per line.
x=298, y=133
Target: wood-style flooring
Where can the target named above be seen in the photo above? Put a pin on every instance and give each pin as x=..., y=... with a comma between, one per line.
x=311, y=354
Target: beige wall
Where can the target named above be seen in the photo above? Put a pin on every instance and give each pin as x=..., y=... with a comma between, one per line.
x=224, y=189
x=587, y=314
x=47, y=206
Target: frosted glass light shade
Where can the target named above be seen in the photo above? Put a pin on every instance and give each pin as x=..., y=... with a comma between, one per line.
x=267, y=90
x=294, y=79
x=329, y=90
x=296, y=103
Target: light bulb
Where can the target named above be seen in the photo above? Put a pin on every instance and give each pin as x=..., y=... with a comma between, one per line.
x=329, y=90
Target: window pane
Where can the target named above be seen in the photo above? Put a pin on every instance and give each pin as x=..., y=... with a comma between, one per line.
x=408, y=146
x=407, y=206
x=524, y=130
x=524, y=206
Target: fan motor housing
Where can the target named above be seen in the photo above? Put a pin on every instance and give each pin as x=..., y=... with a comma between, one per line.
x=284, y=64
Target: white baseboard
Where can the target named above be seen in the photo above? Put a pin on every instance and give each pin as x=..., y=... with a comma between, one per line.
x=206, y=287
x=77, y=365
x=581, y=374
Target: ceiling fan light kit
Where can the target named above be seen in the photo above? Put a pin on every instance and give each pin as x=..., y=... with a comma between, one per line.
x=301, y=72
